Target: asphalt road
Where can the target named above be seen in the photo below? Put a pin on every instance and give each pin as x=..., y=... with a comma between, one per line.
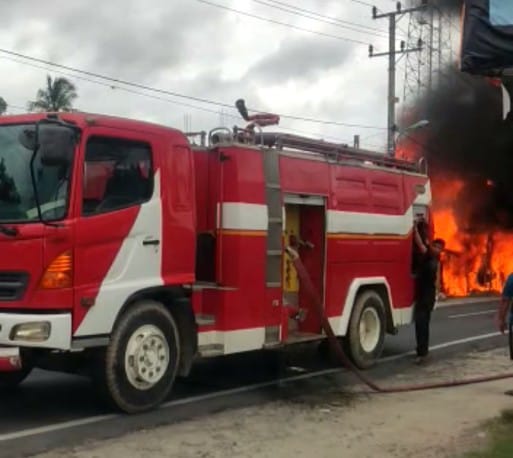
x=52, y=410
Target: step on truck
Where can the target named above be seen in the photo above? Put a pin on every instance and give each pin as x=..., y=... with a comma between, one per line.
x=129, y=250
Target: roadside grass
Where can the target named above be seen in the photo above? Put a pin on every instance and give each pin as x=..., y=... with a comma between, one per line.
x=499, y=438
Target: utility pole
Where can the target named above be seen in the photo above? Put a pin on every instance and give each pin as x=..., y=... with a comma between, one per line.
x=392, y=53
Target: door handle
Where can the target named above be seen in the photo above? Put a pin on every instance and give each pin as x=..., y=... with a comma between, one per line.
x=151, y=242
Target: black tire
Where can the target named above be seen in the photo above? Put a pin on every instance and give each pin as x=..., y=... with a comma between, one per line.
x=112, y=376
x=10, y=380
x=370, y=304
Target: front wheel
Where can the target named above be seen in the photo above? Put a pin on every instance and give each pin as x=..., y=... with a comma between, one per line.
x=137, y=370
x=366, y=334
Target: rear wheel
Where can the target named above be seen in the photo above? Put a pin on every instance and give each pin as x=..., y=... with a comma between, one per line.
x=137, y=370
x=366, y=334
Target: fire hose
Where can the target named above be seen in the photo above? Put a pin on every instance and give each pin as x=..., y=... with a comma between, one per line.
x=337, y=349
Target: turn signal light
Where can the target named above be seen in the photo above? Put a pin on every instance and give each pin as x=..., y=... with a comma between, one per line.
x=59, y=273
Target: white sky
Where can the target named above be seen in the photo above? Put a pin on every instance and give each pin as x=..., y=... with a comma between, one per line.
x=195, y=49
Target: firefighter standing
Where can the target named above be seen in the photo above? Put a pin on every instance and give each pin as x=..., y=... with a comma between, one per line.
x=425, y=288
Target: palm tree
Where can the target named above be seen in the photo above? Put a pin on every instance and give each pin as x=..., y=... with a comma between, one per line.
x=3, y=106
x=58, y=95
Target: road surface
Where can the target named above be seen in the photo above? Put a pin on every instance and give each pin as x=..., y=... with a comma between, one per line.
x=52, y=410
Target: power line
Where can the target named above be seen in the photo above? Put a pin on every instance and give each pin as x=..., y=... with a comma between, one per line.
x=112, y=79
x=321, y=18
x=116, y=87
x=20, y=108
x=363, y=3
x=171, y=93
x=272, y=21
x=371, y=136
x=155, y=97
x=342, y=21
x=333, y=123
x=11, y=106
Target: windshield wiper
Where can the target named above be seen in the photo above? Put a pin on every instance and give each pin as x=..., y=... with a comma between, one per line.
x=9, y=231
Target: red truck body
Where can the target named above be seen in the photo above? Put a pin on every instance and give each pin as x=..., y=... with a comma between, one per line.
x=153, y=236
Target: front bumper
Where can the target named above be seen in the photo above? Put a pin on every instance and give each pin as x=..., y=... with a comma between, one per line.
x=59, y=336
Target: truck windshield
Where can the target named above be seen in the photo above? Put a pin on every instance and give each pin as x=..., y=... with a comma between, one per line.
x=18, y=201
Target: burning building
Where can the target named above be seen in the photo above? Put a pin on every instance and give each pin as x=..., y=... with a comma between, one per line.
x=469, y=150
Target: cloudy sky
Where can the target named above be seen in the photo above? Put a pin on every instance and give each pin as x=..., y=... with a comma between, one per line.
x=196, y=49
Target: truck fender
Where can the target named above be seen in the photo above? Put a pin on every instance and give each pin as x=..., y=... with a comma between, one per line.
x=341, y=323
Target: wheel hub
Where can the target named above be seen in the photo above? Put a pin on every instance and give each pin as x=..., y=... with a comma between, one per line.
x=370, y=328
x=147, y=357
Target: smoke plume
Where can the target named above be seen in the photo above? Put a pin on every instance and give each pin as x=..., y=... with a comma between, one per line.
x=468, y=140
x=449, y=6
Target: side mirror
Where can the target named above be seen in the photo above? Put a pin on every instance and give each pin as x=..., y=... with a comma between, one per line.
x=28, y=138
x=56, y=144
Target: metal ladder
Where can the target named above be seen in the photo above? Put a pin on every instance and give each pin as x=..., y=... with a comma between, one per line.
x=275, y=218
x=273, y=265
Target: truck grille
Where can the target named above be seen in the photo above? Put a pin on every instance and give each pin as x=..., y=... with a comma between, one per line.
x=12, y=285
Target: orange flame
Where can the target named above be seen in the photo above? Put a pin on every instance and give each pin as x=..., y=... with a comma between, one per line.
x=472, y=263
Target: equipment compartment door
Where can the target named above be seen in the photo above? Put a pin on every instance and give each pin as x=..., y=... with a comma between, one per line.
x=305, y=231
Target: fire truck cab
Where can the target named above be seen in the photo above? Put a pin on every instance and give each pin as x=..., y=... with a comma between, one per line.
x=128, y=251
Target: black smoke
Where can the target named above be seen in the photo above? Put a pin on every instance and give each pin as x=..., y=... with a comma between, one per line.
x=447, y=6
x=468, y=139
x=451, y=6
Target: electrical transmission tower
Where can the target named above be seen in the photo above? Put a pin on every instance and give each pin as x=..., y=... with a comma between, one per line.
x=428, y=68
x=393, y=53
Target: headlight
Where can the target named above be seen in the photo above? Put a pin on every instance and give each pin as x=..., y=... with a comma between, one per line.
x=37, y=331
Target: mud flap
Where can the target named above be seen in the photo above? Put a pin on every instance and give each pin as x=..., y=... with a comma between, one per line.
x=10, y=359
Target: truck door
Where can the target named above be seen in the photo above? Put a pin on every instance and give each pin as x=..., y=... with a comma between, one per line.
x=118, y=233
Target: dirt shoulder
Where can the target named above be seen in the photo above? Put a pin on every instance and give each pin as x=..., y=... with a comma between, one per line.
x=331, y=422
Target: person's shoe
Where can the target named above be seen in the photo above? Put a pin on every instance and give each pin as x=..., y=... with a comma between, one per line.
x=421, y=360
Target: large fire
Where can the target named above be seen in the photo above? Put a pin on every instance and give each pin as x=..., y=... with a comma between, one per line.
x=474, y=262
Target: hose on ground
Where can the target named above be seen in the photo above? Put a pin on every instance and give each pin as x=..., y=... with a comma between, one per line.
x=337, y=349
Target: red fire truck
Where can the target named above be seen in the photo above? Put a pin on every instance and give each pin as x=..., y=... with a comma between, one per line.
x=128, y=251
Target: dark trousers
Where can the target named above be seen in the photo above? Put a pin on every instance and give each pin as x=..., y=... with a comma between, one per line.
x=423, y=311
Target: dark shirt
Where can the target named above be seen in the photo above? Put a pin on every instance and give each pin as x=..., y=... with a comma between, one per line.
x=507, y=291
x=425, y=287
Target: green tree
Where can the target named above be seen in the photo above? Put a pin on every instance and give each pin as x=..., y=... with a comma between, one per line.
x=58, y=95
x=3, y=106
